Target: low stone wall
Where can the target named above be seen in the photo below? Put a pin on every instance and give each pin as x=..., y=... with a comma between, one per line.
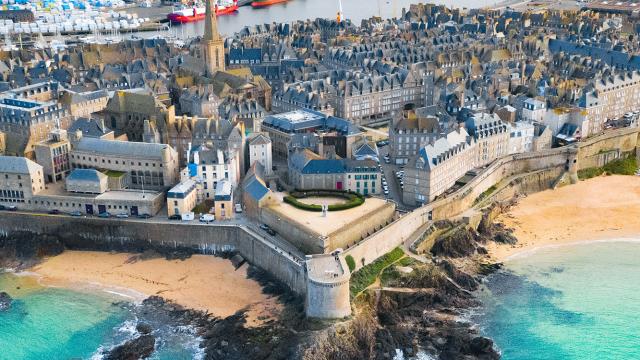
x=312, y=242
x=306, y=240
x=528, y=184
x=136, y=236
x=593, y=152
x=361, y=228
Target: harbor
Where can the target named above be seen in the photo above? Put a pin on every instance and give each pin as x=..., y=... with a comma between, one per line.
x=60, y=23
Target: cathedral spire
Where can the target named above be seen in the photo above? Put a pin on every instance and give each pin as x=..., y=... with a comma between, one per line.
x=212, y=43
x=211, y=21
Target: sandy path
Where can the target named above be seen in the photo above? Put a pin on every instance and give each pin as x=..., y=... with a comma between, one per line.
x=201, y=282
x=601, y=208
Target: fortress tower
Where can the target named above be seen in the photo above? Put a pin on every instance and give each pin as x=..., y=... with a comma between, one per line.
x=212, y=43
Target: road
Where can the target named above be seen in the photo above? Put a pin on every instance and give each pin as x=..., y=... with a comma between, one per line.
x=389, y=170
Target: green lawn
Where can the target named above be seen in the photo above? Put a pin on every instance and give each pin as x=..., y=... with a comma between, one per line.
x=367, y=275
x=627, y=166
x=114, y=173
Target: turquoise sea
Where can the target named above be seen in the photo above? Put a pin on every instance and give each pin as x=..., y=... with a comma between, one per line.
x=55, y=323
x=568, y=302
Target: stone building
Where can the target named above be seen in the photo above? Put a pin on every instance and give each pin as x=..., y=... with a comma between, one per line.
x=255, y=192
x=437, y=166
x=53, y=155
x=85, y=103
x=374, y=100
x=145, y=166
x=87, y=181
x=247, y=111
x=260, y=151
x=282, y=128
x=491, y=135
x=521, y=135
x=27, y=122
x=199, y=101
x=533, y=110
x=315, y=95
x=213, y=166
x=411, y=132
x=223, y=201
x=20, y=180
x=308, y=170
x=127, y=111
x=611, y=98
x=182, y=198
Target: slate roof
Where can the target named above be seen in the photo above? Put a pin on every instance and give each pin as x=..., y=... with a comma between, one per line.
x=259, y=139
x=90, y=175
x=223, y=190
x=89, y=127
x=253, y=183
x=433, y=154
x=256, y=189
x=128, y=149
x=18, y=165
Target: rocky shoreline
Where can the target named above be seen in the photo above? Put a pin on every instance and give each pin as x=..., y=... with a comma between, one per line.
x=416, y=311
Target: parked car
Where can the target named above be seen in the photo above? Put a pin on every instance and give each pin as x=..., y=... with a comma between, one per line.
x=386, y=192
x=271, y=232
x=264, y=227
x=12, y=208
x=2, y=207
x=75, y=213
x=144, y=216
x=104, y=215
x=238, y=208
x=175, y=217
x=54, y=212
x=122, y=216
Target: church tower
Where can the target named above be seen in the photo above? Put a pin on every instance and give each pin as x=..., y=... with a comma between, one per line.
x=212, y=43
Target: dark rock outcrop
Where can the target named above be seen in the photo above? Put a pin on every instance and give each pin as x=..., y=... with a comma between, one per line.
x=5, y=301
x=144, y=329
x=139, y=348
x=457, y=243
x=24, y=249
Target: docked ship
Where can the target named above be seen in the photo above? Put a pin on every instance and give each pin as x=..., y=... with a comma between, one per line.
x=263, y=3
x=197, y=13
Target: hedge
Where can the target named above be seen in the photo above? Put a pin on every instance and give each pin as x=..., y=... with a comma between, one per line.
x=353, y=199
x=350, y=262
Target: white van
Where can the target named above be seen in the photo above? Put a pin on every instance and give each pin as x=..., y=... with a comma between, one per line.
x=188, y=216
x=207, y=218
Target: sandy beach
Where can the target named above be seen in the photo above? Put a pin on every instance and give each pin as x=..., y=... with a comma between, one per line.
x=606, y=207
x=201, y=282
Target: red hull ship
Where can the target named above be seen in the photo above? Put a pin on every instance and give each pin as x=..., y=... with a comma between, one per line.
x=263, y=3
x=198, y=13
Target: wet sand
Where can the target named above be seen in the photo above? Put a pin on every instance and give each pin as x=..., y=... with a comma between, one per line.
x=606, y=207
x=201, y=282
